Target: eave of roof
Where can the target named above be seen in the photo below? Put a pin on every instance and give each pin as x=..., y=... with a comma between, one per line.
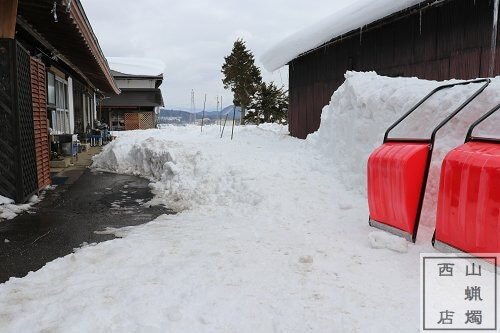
x=346, y=21
x=72, y=37
x=135, y=97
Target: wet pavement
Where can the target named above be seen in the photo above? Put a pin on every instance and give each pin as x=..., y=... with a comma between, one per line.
x=69, y=216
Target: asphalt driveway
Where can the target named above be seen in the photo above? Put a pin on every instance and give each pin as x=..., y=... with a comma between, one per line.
x=69, y=216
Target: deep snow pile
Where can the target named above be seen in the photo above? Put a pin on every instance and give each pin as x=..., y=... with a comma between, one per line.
x=183, y=172
x=354, y=122
x=272, y=233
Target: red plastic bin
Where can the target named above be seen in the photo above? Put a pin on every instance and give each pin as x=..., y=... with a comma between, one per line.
x=468, y=213
x=396, y=172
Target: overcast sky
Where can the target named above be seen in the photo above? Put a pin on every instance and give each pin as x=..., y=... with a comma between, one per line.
x=192, y=37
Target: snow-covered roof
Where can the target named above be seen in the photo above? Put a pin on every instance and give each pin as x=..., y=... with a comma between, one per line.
x=136, y=66
x=355, y=15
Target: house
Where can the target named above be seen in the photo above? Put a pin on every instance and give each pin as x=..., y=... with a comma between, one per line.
x=51, y=71
x=138, y=105
x=431, y=39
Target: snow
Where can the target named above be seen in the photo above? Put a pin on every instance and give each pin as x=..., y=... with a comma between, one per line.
x=353, y=16
x=136, y=66
x=384, y=240
x=5, y=201
x=271, y=234
x=375, y=102
x=9, y=210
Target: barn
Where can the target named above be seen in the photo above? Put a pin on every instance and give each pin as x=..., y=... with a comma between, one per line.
x=433, y=39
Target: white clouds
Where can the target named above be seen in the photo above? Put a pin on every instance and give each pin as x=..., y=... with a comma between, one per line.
x=192, y=37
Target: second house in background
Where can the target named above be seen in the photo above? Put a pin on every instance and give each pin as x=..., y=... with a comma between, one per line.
x=138, y=105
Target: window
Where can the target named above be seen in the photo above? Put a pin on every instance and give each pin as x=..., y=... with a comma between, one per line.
x=60, y=116
x=117, y=121
x=51, y=89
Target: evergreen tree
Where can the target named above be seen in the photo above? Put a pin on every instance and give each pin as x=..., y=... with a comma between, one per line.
x=241, y=76
x=270, y=105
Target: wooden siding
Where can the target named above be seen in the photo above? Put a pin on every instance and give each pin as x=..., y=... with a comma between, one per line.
x=39, y=98
x=131, y=121
x=139, y=120
x=449, y=40
x=8, y=11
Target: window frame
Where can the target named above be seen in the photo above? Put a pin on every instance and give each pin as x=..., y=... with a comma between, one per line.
x=49, y=102
x=60, y=113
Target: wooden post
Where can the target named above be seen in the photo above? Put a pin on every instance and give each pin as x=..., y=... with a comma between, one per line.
x=8, y=13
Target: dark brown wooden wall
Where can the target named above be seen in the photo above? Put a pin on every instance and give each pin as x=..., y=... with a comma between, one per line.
x=451, y=40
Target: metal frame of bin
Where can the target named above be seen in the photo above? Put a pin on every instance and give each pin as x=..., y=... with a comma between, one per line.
x=380, y=225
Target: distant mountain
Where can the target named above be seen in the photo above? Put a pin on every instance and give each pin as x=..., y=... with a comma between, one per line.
x=229, y=110
x=175, y=117
x=215, y=115
x=181, y=117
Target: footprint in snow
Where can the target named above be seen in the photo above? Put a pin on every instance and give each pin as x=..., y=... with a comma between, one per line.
x=306, y=260
x=174, y=314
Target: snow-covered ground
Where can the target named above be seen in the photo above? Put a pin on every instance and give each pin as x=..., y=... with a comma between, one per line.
x=271, y=234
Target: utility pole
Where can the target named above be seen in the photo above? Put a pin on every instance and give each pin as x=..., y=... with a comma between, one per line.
x=203, y=114
x=220, y=112
x=193, y=107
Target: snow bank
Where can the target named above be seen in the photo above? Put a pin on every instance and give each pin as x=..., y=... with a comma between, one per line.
x=136, y=66
x=183, y=174
x=360, y=111
x=353, y=16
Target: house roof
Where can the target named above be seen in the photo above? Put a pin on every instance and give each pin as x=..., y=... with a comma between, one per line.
x=119, y=75
x=135, y=98
x=122, y=76
x=137, y=66
x=354, y=16
x=71, y=38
